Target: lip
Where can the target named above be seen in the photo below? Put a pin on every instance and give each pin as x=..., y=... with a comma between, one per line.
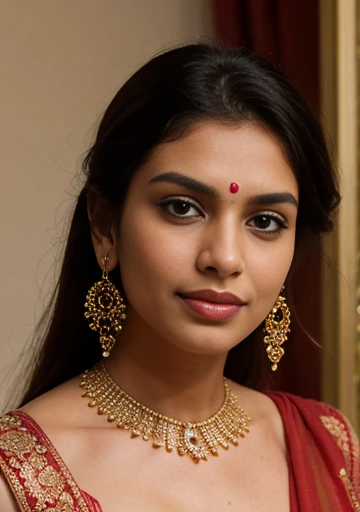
x=214, y=297
x=211, y=304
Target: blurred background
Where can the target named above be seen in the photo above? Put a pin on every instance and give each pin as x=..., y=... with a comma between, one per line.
x=62, y=62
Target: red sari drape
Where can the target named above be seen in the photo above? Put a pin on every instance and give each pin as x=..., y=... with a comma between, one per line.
x=323, y=453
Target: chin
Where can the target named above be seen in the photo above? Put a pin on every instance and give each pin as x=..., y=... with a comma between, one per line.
x=205, y=345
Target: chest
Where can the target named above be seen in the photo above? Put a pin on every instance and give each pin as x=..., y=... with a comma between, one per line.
x=162, y=482
x=261, y=496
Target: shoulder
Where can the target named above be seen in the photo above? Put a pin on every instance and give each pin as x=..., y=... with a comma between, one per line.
x=265, y=416
x=311, y=412
x=7, y=500
x=57, y=415
x=328, y=428
x=58, y=407
x=309, y=409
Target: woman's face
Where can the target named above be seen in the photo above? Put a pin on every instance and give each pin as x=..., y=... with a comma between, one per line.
x=185, y=237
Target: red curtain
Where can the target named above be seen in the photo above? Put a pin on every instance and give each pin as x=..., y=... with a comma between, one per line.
x=286, y=33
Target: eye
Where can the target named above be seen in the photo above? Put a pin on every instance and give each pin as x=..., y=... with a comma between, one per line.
x=180, y=208
x=267, y=223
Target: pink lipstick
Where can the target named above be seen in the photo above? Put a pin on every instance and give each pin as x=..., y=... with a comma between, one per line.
x=211, y=304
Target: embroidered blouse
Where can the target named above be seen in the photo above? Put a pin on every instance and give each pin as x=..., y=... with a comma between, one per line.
x=323, y=461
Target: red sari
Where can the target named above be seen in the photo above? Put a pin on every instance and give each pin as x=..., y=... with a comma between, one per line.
x=323, y=456
x=323, y=459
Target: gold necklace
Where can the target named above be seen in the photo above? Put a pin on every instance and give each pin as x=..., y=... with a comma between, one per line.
x=196, y=439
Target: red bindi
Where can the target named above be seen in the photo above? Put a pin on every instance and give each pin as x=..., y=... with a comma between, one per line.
x=234, y=187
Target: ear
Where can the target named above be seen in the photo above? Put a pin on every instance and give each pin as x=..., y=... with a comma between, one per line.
x=102, y=231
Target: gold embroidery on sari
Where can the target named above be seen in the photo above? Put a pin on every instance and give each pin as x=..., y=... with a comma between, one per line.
x=350, y=488
x=347, y=441
x=30, y=473
x=354, y=441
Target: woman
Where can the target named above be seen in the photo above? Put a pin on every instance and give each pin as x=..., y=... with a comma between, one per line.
x=207, y=177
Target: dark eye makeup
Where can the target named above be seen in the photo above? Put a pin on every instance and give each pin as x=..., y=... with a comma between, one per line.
x=182, y=209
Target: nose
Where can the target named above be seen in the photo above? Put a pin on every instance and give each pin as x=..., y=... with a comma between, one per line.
x=221, y=249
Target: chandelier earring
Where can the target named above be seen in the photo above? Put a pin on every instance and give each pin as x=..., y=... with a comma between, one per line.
x=276, y=329
x=105, y=310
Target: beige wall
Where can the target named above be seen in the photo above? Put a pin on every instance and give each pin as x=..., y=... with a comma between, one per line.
x=61, y=62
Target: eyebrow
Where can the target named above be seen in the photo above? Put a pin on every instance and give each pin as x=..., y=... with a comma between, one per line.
x=187, y=182
x=275, y=198
x=203, y=188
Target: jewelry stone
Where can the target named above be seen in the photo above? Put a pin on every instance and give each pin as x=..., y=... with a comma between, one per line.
x=234, y=187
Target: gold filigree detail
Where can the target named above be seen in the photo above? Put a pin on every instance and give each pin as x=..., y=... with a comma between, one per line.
x=37, y=461
x=348, y=444
x=338, y=431
x=18, y=442
x=349, y=486
x=277, y=327
x=105, y=312
x=8, y=421
x=45, y=485
x=66, y=504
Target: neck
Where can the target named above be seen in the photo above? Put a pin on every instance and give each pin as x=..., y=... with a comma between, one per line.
x=178, y=384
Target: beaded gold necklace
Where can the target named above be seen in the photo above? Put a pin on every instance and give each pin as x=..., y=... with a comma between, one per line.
x=196, y=439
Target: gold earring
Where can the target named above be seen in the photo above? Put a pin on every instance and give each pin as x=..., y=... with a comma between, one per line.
x=105, y=311
x=277, y=326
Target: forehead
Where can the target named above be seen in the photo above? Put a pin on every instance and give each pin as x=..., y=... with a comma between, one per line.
x=249, y=154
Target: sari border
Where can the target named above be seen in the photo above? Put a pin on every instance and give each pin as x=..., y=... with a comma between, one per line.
x=19, y=445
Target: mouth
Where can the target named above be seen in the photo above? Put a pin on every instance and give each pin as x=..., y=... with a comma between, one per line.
x=211, y=304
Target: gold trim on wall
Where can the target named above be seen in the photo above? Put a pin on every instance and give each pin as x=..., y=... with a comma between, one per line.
x=348, y=247
x=339, y=104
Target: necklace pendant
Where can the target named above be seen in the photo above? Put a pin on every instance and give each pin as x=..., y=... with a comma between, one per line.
x=194, y=445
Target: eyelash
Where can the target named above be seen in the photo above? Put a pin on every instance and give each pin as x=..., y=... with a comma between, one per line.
x=282, y=225
x=171, y=201
x=279, y=220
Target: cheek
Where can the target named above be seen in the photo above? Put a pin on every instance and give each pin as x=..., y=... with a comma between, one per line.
x=271, y=265
x=151, y=258
x=268, y=270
